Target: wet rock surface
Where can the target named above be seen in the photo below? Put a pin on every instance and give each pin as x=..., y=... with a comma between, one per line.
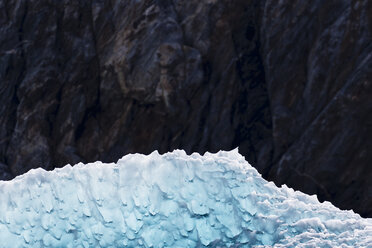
x=289, y=83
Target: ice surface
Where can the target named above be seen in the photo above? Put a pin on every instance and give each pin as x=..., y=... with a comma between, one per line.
x=171, y=200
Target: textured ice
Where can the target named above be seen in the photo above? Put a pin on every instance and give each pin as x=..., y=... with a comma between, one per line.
x=171, y=200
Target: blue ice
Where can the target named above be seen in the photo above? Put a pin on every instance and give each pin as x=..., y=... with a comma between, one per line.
x=170, y=200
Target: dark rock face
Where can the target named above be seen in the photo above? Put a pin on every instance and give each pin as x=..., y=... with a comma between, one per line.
x=289, y=83
x=318, y=62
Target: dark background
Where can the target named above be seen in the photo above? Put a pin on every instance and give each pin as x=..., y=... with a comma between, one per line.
x=289, y=82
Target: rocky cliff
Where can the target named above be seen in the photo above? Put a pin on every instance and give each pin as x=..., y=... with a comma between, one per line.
x=289, y=82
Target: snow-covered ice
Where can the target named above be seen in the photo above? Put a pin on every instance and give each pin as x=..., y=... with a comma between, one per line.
x=170, y=200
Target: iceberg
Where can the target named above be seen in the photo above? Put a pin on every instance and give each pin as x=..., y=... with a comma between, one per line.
x=170, y=200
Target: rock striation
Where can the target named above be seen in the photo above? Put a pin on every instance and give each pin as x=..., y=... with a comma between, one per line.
x=288, y=82
x=318, y=62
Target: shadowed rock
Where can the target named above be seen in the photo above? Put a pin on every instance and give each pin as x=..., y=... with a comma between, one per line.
x=289, y=83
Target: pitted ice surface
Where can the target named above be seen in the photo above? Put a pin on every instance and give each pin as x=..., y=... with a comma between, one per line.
x=170, y=200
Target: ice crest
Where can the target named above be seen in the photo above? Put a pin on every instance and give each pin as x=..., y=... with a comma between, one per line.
x=170, y=200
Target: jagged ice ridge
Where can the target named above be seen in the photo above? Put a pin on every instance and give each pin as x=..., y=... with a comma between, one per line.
x=170, y=200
